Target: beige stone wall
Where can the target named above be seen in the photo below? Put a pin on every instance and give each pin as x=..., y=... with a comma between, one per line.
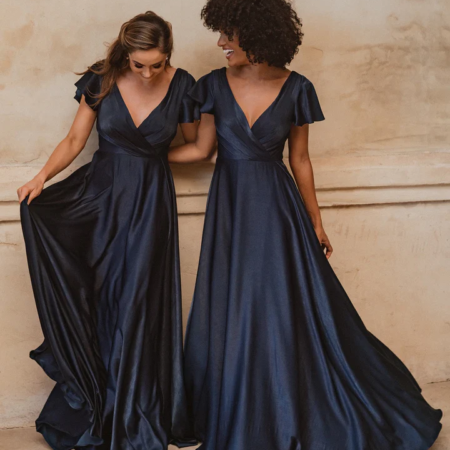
x=380, y=68
x=381, y=158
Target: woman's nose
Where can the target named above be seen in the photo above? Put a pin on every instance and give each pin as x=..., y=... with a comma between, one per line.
x=221, y=42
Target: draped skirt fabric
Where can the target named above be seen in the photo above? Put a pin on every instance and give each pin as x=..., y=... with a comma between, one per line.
x=102, y=248
x=276, y=356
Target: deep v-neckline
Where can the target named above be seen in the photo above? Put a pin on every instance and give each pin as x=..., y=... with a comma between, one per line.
x=266, y=110
x=153, y=110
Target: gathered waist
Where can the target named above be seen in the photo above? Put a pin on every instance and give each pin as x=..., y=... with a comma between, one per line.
x=221, y=158
x=108, y=147
x=239, y=151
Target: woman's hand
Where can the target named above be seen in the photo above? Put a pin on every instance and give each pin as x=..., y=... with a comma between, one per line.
x=33, y=188
x=324, y=241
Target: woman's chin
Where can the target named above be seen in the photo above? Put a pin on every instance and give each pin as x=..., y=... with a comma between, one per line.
x=235, y=62
x=232, y=62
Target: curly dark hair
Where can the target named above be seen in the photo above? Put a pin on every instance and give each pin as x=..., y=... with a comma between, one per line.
x=269, y=30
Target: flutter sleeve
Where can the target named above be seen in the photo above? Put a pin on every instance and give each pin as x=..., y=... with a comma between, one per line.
x=88, y=85
x=307, y=106
x=189, y=109
x=202, y=93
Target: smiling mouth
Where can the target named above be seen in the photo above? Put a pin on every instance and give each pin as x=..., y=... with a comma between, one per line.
x=228, y=53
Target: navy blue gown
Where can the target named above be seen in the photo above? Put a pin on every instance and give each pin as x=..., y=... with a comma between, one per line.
x=276, y=357
x=102, y=248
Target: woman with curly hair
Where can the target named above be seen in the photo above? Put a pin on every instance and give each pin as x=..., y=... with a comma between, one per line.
x=102, y=249
x=276, y=357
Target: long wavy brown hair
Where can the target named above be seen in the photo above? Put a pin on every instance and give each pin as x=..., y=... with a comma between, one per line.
x=143, y=32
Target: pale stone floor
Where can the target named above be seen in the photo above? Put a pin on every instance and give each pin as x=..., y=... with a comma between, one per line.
x=438, y=394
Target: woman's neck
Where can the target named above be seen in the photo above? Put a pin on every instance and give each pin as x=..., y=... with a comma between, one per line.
x=258, y=72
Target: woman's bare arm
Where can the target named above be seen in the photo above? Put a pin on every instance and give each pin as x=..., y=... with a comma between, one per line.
x=303, y=173
x=189, y=131
x=203, y=146
x=63, y=155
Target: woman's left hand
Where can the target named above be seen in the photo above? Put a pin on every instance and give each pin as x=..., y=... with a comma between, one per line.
x=324, y=241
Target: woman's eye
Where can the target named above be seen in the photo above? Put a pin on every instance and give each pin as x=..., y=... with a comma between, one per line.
x=138, y=66
x=157, y=66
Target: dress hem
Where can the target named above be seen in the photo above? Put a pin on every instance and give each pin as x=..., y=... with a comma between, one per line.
x=429, y=443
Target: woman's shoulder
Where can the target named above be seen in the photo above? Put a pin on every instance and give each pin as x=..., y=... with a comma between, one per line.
x=301, y=86
x=91, y=76
x=300, y=79
x=211, y=76
x=90, y=85
x=307, y=106
x=205, y=81
x=185, y=79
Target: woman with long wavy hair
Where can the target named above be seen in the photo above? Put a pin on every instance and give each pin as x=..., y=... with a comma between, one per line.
x=277, y=358
x=102, y=249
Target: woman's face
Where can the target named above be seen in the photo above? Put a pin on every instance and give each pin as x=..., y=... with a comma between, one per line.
x=234, y=54
x=147, y=64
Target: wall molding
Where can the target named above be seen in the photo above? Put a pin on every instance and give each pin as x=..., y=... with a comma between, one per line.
x=350, y=180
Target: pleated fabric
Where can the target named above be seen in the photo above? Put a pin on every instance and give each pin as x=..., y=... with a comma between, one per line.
x=276, y=356
x=102, y=248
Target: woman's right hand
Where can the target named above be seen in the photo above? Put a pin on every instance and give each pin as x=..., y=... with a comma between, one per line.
x=32, y=189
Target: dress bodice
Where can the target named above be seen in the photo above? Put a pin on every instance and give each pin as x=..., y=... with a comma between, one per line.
x=154, y=135
x=296, y=103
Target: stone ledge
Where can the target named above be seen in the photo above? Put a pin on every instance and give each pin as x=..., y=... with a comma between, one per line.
x=340, y=181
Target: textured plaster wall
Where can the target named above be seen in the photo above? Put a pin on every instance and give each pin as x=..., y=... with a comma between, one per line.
x=380, y=68
x=382, y=159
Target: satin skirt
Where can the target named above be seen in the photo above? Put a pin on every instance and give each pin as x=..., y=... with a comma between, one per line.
x=102, y=248
x=276, y=356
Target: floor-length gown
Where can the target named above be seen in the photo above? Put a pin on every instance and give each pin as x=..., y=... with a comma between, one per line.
x=276, y=357
x=102, y=248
